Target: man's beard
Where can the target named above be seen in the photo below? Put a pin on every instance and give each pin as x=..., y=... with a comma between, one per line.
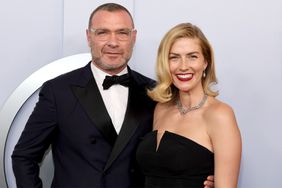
x=107, y=67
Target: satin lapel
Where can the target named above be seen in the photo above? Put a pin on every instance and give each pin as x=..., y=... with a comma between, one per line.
x=130, y=124
x=91, y=100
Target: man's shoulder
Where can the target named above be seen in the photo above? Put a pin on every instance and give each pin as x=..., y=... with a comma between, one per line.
x=143, y=80
x=70, y=76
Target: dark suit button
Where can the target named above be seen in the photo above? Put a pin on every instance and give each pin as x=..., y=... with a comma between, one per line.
x=132, y=170
x=93, y=141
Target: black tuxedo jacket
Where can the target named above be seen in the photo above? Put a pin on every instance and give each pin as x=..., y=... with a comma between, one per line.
x=87, y=152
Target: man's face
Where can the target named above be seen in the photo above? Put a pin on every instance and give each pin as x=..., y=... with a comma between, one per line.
x=111, y=39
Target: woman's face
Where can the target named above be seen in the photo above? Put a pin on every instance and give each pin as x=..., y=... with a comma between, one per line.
x=186, y=64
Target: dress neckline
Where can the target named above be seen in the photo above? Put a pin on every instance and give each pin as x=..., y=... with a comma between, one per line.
x=157, y=145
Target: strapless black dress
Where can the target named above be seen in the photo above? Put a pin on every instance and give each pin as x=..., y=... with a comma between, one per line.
x=178, y=161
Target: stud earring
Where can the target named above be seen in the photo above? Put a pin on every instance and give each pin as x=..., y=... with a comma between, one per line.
x=204, y=74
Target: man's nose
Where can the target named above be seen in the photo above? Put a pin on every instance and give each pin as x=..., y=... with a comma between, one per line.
x=112, y=40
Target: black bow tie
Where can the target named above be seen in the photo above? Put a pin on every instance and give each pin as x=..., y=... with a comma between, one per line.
x=112, y=80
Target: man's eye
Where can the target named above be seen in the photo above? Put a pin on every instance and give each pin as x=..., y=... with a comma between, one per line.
x=123, y=33
x=101, y=32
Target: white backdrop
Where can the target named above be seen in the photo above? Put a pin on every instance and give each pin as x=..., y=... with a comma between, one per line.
x=246, y=36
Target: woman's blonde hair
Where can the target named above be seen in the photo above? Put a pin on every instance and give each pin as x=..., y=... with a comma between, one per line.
x=165, y=90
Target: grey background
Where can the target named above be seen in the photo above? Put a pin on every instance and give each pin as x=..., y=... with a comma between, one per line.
x=246, y=36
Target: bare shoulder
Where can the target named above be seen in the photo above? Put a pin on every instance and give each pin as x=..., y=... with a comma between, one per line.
x=219, y=111
x=220, y=116
x=226, y=142
x=160, y=112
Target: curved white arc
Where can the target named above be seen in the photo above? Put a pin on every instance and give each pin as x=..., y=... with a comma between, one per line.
x=26, y=89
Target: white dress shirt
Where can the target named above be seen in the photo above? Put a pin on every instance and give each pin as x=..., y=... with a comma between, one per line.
x=115, y=98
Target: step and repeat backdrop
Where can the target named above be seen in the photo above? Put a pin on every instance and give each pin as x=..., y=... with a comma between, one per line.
x=40, y=40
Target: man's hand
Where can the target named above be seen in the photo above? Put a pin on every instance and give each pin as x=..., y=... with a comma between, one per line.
x=209, y=183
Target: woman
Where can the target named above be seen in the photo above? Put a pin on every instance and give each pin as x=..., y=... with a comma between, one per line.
x=194, y=134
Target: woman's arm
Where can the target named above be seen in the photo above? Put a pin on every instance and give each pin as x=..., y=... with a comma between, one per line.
x=227, y=146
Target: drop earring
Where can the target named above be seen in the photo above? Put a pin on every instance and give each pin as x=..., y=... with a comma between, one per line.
x=204, y=74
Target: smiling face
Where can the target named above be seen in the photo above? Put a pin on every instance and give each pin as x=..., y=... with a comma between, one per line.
x=186, y=64
x=111, y=55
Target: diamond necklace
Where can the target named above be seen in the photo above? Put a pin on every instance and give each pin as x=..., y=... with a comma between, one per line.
x=183, y=110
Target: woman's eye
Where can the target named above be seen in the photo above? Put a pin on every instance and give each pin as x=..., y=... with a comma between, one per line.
x=193, y=57
x=173, y=58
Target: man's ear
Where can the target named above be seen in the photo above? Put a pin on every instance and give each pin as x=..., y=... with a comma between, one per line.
x=88, y=36
x=134, y=35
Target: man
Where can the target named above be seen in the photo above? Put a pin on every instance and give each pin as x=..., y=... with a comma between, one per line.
x=93, y=127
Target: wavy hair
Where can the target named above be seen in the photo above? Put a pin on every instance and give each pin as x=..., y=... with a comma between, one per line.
x=165, y=91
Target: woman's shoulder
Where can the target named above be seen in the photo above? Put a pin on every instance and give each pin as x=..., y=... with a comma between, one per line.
x=220, y=120
x=161, y=108
x=219, y=113
x=217, y=108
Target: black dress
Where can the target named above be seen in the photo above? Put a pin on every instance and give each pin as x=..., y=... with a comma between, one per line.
x=178, y=161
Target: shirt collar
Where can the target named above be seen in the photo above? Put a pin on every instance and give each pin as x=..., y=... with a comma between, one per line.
x=100, y=75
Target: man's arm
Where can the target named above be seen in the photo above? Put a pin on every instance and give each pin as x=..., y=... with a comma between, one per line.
x=34, y=141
